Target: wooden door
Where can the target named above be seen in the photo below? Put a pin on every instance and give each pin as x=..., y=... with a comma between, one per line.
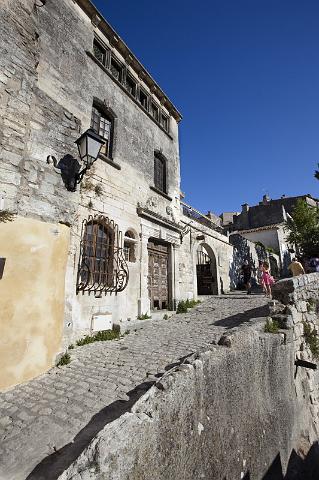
x=158, y=275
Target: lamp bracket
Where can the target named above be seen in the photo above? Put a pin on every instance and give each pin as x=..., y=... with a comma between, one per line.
x=69, y=169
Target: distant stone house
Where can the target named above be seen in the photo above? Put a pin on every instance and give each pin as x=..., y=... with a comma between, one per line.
x=264, y=223
x=120, y=245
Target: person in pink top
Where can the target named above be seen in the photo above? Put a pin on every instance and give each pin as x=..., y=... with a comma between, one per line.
x=267, y=279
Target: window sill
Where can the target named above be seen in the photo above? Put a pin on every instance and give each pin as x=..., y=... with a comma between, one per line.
x=161, y=193
x=106, y=70
x=109, y=161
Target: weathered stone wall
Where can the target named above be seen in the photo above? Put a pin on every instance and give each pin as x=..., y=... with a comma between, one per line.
x=245, y=249
x=35, y=244
x=298, y=310
x=239, y=412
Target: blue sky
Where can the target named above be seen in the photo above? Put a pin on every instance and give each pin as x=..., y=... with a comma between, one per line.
x=245, y=76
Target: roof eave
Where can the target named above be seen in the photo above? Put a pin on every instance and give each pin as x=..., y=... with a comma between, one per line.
x=98, y=20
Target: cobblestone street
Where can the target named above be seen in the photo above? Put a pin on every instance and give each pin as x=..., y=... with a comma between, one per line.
x=103, y=380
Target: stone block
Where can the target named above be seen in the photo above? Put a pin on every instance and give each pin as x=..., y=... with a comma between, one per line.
x=8, y=176
x=302, y=306
x=11, y=157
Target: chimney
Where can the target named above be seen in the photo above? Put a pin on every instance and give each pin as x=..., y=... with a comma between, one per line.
x=266, y=199
x=244, y=208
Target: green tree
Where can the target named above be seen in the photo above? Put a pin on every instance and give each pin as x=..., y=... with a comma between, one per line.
x=303, y=228
x=317, y=173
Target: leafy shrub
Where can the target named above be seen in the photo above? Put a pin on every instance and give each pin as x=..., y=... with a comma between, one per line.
x=184, y=305
x=144, y=316
x=64, y=360
x=311, y=339
x=181, y=307
x=101, y=336
x=311, y=305
x=271, y=326
x=191, y=303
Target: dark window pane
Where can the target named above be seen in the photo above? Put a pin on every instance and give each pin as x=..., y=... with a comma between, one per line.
x=103, y=126
x=159, y=173
x=116, y=69
x=130, y=85
x=99, y=52
x=164, y=121
x=97, y=261
x=143, y=99
x=155, y=111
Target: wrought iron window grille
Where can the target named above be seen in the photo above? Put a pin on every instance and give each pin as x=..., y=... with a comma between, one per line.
x=102, y=266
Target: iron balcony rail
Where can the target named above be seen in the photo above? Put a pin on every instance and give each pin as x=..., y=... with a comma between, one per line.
x=194, y=214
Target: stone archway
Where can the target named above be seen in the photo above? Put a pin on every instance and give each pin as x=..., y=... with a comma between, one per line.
x=206, y=271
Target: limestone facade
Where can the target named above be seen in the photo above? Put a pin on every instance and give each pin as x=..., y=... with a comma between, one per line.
x=59, y=60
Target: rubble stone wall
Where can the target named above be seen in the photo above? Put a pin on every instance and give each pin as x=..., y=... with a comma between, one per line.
x=245, y=249
x=241, y=411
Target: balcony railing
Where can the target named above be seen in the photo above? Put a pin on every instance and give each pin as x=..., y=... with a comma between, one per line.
x=199, y=217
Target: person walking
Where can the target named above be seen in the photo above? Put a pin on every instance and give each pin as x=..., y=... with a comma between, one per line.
x=260, y=272
x=268, y=280
x=296, y=268
x=246, y=271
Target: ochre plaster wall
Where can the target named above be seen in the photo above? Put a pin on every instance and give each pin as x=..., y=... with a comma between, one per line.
x=31, y=297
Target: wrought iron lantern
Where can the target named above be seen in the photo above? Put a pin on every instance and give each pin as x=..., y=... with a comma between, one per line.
x=89, y=146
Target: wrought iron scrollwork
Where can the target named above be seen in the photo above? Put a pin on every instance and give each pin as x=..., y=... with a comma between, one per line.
x=102, y=266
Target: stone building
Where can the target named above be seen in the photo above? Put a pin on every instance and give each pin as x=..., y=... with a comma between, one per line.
x=264, y=224
x=118, y=246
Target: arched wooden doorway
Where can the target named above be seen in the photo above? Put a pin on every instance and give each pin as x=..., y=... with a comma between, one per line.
x=206, y=270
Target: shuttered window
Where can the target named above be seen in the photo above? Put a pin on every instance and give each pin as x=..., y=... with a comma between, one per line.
x=160, y=173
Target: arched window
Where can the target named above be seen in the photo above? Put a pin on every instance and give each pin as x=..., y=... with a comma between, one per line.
x=129, y=246
x=159, y=172
x=102, y=266
x=103, y=124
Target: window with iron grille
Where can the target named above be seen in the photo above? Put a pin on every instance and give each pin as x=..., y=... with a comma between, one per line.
x=102, y=266
x=160, y=172
x=103, y=125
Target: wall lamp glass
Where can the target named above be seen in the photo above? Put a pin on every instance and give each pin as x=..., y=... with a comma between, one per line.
x=89, y=146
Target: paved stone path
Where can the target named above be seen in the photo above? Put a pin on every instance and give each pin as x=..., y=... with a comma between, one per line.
x=45, y=423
